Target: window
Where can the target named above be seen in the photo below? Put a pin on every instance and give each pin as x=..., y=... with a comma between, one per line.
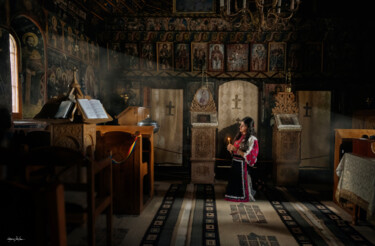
x=14, y=75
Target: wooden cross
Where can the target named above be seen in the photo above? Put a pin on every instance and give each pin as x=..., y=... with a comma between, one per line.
x=236, y=100
x=307, y=108
x=169, y=106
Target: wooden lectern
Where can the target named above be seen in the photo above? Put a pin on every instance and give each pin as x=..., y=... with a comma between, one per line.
x=286, y=140
x=203, y=137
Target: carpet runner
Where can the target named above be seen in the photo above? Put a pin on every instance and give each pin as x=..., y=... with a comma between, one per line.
x=197, y=214
x=203, y=229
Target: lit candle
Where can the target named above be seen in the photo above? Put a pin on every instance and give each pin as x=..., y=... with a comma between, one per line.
x=279, y=3
x=228, y=140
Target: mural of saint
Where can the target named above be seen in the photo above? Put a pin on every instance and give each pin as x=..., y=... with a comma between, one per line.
x=131, y=56
x=91, y=83
x=258, y=57
x=165, y=56
x=33, y=67
x=70, y=41
x=53, y=32
x=216, y=61
x=237, y=59
x=182, y=57
x=199, y=56
x=148, y=57
x=276, y=56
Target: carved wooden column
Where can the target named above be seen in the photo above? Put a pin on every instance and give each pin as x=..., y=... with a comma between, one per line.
x=203, y=137
x=286, y=140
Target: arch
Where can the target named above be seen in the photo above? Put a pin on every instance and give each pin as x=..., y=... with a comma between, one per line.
x=33, y=64
x=13, y=54
x=236, y=99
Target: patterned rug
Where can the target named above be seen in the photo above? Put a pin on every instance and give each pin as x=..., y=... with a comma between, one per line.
x=165, y=228
x=284, y=216
x=197, y=214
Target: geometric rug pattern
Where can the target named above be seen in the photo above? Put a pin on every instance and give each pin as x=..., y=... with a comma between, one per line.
x=197, y=214
x=247, y=213
x=159, y=231
x=257, y=240
x=205, y=226
x=309, y=221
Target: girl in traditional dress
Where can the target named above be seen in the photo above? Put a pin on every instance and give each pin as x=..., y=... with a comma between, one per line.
x=244, y=150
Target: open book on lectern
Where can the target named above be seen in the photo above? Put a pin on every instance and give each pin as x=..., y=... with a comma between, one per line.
x=92, y=109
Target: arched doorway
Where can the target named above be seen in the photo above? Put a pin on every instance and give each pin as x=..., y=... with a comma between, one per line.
x=236, y=100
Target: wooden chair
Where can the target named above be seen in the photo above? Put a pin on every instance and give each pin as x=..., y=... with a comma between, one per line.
x=98, y=172
x=128, y=173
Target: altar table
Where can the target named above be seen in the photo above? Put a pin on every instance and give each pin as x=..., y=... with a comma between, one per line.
x=357, y=182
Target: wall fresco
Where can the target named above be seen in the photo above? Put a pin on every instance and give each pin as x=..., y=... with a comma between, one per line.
x=5, y=78
x=33, y=66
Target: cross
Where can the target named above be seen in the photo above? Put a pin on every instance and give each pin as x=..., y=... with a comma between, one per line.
x=169, y=106
x=236, y=100
x=307, y=108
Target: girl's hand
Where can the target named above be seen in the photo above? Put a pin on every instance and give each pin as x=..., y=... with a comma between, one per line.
x=231, y=148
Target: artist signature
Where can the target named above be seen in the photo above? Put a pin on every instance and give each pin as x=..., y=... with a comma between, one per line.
x=15, y=239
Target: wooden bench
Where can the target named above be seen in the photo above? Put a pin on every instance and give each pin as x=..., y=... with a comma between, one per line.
x=133, y=178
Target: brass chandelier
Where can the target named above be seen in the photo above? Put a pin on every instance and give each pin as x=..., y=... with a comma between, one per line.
x=264, y=15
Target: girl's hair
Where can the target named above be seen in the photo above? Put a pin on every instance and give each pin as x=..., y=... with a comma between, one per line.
x=249, y=122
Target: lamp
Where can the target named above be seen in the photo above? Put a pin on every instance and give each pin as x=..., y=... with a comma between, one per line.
x=262, y=14
x=204, y=72
x=288, y=81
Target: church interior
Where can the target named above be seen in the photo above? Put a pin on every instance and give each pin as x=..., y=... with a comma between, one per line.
x=116, y=116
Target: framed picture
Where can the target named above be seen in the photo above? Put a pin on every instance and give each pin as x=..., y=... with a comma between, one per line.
x=258, y=57
x=164, y=56
x=202, y=96
x=148, y=56
x=194, y=6
x=237, y=57
x=182, y=57
x=131, y=57
x=199, y=56
x=295, y=56
x=216, y=58
x=313, y=53
x=276, y=56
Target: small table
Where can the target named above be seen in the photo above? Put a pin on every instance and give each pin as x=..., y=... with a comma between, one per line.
x=357, y=184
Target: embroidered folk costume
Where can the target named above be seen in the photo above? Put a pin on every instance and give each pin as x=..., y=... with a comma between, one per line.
x=240, y=187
